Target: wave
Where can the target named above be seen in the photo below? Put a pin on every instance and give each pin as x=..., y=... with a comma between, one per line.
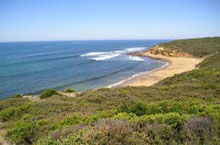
x=39, y=54
x=133, y=49
x=93, y=53
x=104, y=57
x=136, y=58
x=100, y=56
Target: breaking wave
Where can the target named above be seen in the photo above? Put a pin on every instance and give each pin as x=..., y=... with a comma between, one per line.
x=100, y=56
x=104, y=57
x=136, y=58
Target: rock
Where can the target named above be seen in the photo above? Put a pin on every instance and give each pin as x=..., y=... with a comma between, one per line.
x=168, y=52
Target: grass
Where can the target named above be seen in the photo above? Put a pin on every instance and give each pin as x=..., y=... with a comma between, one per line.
x=183, y=109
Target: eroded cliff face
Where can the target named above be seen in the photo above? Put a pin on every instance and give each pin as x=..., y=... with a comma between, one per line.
x=160, y=50
x=168, y=52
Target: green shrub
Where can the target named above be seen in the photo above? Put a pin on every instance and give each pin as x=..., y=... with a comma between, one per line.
x=17, y=96
x=23, y=133
x=144, y=109
x=73, y=139
x=13, y=112
x=212, y=111
x=48, y=93
x=69, y=121
x=72, y=120
x=100, y=115
x=69, y=91
x=168, y=118
x=139, y=109
x=124, y=107
x=125, y=116
x=9, y=113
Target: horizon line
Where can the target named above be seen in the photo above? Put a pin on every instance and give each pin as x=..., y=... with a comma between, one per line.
x=104, y=39
x=79, y=40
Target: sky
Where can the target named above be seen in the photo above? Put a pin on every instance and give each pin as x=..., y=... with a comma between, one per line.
x=42, y=20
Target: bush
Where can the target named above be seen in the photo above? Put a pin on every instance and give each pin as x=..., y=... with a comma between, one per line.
x=200, y=126
x=104, y=132
x=65, y=132
x=9, y=113
x=17, y=96
x=23, y=133
x=100, y=115
x=48, y=93
x=13, y=112
x=69, y=91
x=202, y=129
x=109, y=132
x=143, y=109
x=125, y=116
x=212, y=111
x=172, y=119
x=140, y=108
x=69, y=121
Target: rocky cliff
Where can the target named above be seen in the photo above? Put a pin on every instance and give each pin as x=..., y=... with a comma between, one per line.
x=168, y=52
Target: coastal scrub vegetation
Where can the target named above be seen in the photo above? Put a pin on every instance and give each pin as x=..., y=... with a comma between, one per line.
x=183, y=109
x=69, y=91
x=48, y=93
x=197, y=47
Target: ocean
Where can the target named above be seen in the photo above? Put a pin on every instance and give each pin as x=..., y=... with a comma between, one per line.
x=31, y=67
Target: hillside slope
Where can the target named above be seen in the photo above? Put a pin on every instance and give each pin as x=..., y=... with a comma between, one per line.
x=184, y=109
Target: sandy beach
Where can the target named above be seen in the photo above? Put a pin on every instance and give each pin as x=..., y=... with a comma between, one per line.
x=175, y=65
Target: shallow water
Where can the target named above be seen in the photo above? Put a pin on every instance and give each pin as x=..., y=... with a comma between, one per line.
x=30, y=67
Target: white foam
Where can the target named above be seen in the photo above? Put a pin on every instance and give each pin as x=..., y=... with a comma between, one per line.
x=101, y=55
x=119, y=51
x=104, y=57
x=136, y=58
x=93, y=53
x=108, y=55
x=134, y=49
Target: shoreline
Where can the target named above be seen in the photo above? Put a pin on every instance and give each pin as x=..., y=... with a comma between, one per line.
x=172, y=66
x=123, y=83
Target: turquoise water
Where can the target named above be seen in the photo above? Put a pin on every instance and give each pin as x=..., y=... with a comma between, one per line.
x=30, y=67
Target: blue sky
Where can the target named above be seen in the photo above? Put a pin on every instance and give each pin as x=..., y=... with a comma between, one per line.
x=34, y=20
